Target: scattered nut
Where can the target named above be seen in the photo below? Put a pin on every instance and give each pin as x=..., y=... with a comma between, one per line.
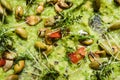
x=87, y=42
x=40, y=8
x=94, y=65
x=57, y=8
x=32, y=20
x=64, y=4
x=93, y=56
x=40, y=45
x=8, y=65
x=101, y=53
x=21, y=32
x=9, y=55
x=49, y=21
x=19, y=12
x=114, y=26
x=12, y=77
x=41, y=32
x=19, y=66
x=6, y=4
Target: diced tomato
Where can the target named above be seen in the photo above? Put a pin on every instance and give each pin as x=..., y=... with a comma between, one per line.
x=77, y=55
x=81, y=51
x=56, y=34
x=74, y=58
x=2, y=62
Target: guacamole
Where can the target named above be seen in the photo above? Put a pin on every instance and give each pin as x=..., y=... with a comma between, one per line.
x=59, y=39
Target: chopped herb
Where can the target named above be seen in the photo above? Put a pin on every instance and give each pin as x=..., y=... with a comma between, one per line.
x=51, y=76
x=6, y=41
x=106, y=70
x=29, y=2
x=85, y=37
x=67, y=19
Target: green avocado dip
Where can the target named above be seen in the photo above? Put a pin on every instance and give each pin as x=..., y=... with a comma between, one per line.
x=59, y=39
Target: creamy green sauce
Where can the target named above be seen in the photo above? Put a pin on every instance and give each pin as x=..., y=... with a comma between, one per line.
x=109, y=13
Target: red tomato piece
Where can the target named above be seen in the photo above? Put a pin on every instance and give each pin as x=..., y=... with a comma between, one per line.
x=74, y=58
x=2, y=62
x=81, y=51
x=56, y=34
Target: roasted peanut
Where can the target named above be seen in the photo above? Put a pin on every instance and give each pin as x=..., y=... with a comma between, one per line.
x=94, y=65
x=40, y=45
x=19, y=66
x=114, y=26
x=93, y=56
x=101, y=53
x=21, y=32
x=87, y=42
x=6, y=4
x=40, y=8
x=8, y=65
x=9, y=55
x=49, y=21
x=64, y=4
x=41, y=32
x=12, y=77
x=19, y=12
x=57, y=8
x=32, y=20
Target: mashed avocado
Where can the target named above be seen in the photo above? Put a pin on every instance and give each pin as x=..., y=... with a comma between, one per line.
x=57, y=65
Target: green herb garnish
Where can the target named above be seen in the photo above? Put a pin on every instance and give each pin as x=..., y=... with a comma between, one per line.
x=86, y=37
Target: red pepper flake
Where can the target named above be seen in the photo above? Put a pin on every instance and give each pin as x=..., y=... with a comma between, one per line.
x=81, y=51
x=56, y=34
x=78, y=55
x=74, y=58
x=2, y=62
